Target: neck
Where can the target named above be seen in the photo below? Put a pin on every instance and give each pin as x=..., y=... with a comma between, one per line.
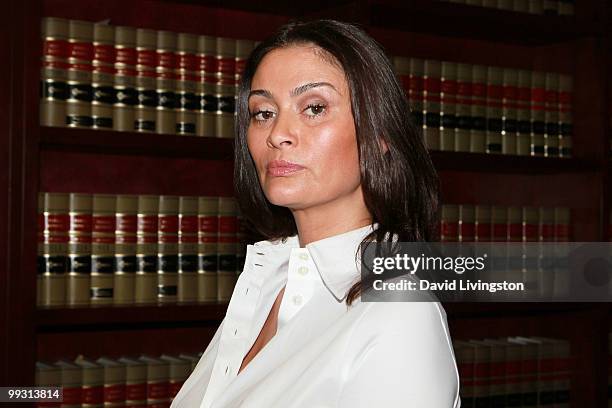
x=332, y=218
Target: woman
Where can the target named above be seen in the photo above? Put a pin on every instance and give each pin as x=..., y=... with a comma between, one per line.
x=326, y=157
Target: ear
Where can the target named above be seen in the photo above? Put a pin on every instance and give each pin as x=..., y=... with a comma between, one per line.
x=383, y=145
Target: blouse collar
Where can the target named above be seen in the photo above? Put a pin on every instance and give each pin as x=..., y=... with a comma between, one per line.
x=334, y=257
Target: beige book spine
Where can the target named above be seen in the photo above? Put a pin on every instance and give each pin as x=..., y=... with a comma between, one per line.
x=145, y=290
x=135, y=382
x=226, y=248
x=431, y=103
x=463, y=108
x=494, y=109
x=103, y=249
x=93, y=383
x=125, y=249
x=551, y=115
x=188, y=249
x=188, y=103
x=55, y=249
x=103, y=76
x=448, y=105
x=178, y=372
x=71, y=382
x=226, y=87
x=79, y=249
x=158, y=375
x=208, y=237
x=78, y=105
x=509, y=111
x=479, y=109
x=167, y=239
x=145, y=115
x=125, y=79
x=114, y=382
x=207, y=71
x=166, y=82
x=538, y=125
x=523, y=143
x=53, y=73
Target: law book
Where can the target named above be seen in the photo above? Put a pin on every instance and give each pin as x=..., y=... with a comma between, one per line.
x=464, y=355
x=449, y=223
x=54, y=71
x=126, y=263
x=509, y=113
x=145, y=114
x=551, y=115
x=226, y=248
x=187, y=100
x=55, y=249
x=188, y=249
x=158, y=372
x=225, y=87
x=178, y=372
x=47, y=375
x=135, y=382
x=126, y=95
x=562, y=224
x=71, y=380
x=431, y=103
x=416, y=97
x=529, y=374
x=40, y=248
x=565, y=115
x=114, y=380
x=103, y=249
x=483, y=227
x=146, y=249
x=92, y=388
x=463, y=108
x=524, y=143
x=402, y=67
x=192, y=359
x=482, y=374
x=530, y=224
x=207, y=68
x=478, y=110
x=563, y=372
x=499, y=223
x=511, y=379
x=167, y=240
x=166, y=82
x=79, y=249
x=494, y=109
x=538, y=117
x=80, y=56
x=103, y=76
x=448, y=105
x=497, y=372
x=243, y=49
x=467, y=223
x=208, y=238
x=547, y=370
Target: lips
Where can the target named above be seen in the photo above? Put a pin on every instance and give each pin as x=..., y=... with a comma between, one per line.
x=282, y=168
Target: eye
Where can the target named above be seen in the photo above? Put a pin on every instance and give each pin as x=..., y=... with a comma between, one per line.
x=262, y=115
x=317, y=109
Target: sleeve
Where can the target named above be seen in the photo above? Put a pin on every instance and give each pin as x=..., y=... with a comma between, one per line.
x=405, y=359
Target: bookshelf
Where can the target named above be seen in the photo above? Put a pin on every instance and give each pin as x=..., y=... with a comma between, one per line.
x=37, y=158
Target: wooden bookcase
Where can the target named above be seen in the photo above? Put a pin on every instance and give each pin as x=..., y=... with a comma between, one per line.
x=36, y=158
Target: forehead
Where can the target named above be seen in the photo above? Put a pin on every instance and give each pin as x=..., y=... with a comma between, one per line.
x=295, y=65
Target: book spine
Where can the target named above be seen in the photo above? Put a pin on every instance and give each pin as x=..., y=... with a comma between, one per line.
x=207, y=67
x=167, y=239
x=538, y=126
x=72, y=384
x=562, y=224
x=146, y=249
x=188, y=250
x=509, y=112
x=114, y=383
x=55, y=248
x=448, y=105
x=47, y=376
x=416, y=97
x=243, y=49
x=483, y=223
x=125, y=79
x=562, y=367
x=166, y=82
x=465, y=366
x=494, y=110
x=103, y=76
x=146, y=82
x=103, y=249
x=482, y=376
x=226, y=248
x=530, y=224
x=126, y=262
x=93, y=386
x=464, y=122
x=54, y=72
x=136, y=385
x=479, y=109
x=499, y=223
x=565, y=115
x=467, y=223
x=208, y=237
x=449, y=225
x=158, y=374
x=524, y=113
x=515, y=224
x=431, y=104
x=40, y=247
x=79, y=249
x=551, y=115
x=188, y=103
x=80, y=56
x=226, y=87
x=546, y=227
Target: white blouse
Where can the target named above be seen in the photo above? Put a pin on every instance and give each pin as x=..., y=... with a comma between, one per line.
x=375, y=354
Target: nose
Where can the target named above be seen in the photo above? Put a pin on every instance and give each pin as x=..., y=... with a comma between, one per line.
x=282, y=133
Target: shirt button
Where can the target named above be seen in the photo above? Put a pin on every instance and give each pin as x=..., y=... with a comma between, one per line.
x=304, y=256
x=302, y=270
x=297, y=300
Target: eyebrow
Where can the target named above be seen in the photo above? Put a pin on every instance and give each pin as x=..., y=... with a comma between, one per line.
x=295, y=92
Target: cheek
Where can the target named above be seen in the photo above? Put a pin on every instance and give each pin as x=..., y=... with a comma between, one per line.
x=336, y=151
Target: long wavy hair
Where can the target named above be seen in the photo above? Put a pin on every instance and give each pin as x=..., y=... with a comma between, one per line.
x=400, y=186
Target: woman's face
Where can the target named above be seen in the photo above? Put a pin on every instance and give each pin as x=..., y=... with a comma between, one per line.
x=301, y=133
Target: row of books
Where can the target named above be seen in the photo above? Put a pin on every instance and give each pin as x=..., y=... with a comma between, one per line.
x=132, y=381
x=547, y=7
x=514, y=372
x=125, y=249
x=133, y=79
x=495, y=223
x=489, y=109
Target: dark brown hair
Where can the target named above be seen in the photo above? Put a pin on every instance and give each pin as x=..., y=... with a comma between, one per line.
x=400, y=186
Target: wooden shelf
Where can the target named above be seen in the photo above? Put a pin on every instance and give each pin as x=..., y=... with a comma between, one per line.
x=459, y=20
x=54, y=319
x=134, y=143
x=500, y=163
